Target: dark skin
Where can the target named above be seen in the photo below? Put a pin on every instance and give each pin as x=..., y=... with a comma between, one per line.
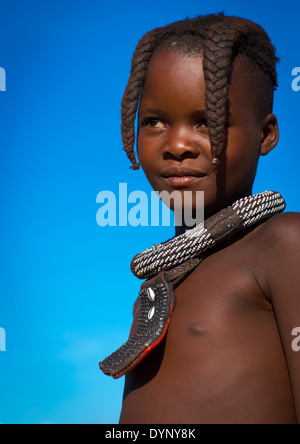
x=227, y=356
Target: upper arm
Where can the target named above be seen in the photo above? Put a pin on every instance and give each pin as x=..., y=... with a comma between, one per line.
x=283, y=280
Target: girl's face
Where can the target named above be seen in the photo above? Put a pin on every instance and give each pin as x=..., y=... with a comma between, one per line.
x=174, y=148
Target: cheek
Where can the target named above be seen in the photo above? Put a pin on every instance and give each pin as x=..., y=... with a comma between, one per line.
x=141, y=152
x=147, y=153
x=146, y=158
x=243, y=146
x=141, y=147
x=243, y=153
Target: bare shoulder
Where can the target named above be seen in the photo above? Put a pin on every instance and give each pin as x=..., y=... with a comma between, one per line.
x=289, y=220
x=281, y=285
x=276, y=249
x=281, y=232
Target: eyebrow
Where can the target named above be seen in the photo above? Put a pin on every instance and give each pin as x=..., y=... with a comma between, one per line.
x=159, y=111
x=151, y=111
x=200, y=112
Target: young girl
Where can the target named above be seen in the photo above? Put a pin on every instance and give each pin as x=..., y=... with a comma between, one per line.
x=211, y=340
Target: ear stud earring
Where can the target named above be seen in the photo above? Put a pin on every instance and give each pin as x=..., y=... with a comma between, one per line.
x=215, y=163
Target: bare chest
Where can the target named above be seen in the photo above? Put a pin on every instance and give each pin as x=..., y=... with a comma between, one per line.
x=219, y=308
x=222, y=349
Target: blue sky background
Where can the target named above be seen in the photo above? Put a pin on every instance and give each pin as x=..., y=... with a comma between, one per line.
x=65, y=284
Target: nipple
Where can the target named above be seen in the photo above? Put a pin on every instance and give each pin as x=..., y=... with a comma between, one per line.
x=196, y=329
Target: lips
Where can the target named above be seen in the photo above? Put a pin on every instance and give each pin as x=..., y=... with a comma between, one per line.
x=181, y=177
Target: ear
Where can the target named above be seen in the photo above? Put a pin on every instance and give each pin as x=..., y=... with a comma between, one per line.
x=270, y=134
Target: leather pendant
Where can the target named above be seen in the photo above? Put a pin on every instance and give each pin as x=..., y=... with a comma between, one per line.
x=157, y=301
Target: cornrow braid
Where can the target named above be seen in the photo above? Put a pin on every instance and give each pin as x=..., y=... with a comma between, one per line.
x=130, y=101
x=218, y=50
x=220, y=39
x=132, y=93
x=223, y=41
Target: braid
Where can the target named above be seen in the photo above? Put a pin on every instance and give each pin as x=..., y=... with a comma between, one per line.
x=220, y=39
x=132, y=93
x=130, y=101
x=218, y=50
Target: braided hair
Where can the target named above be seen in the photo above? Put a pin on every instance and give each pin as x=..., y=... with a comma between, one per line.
x=220, y=39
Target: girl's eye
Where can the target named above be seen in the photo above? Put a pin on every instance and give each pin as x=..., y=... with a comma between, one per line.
x=203, y=124
x=155, y=123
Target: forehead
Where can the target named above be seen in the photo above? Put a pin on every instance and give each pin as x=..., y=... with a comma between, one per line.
x=172, y=76
x=177, y=80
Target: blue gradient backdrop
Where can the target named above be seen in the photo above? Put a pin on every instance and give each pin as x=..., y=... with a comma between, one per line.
x=66, y=288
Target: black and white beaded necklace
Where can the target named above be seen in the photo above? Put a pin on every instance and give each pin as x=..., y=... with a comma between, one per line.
x=178, y=250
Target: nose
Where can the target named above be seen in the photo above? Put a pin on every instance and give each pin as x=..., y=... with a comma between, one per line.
x=180, y=145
